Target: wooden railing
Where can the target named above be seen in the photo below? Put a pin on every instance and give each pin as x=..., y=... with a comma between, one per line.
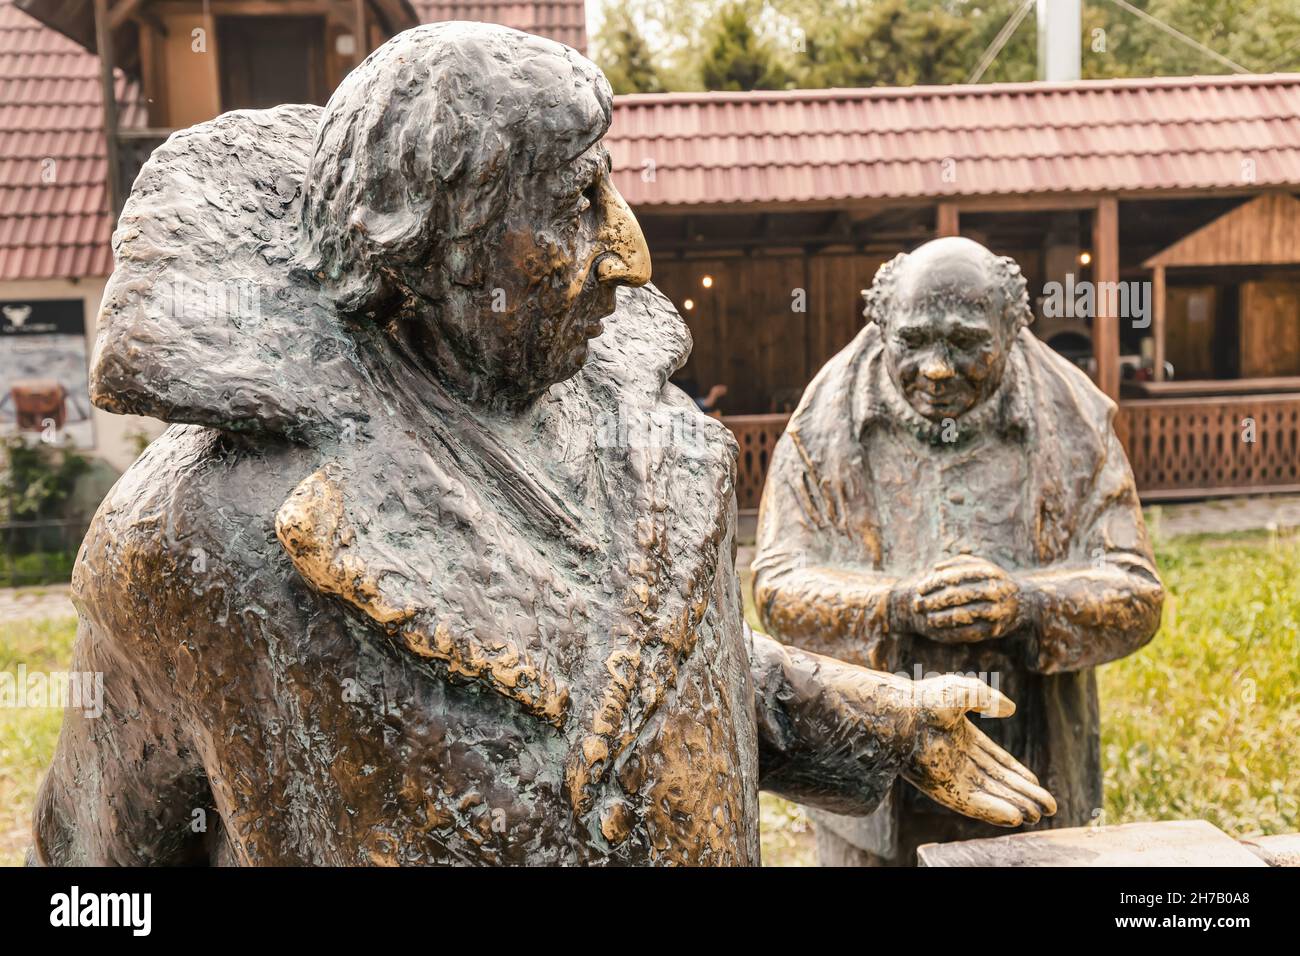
x=1179, y=448
x=757, y=435
x=1190, y=447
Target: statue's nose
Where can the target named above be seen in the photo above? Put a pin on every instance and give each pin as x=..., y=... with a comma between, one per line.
x=936, y=368
x=627, y=257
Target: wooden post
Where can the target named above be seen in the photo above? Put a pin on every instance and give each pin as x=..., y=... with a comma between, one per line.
x=947, y=220
x=104, y=42
x=363, y=42
x=1105, y=268
x=1158, y=319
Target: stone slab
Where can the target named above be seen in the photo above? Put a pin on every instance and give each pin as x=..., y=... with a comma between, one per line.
x=1167, y=843
x=1280, y=850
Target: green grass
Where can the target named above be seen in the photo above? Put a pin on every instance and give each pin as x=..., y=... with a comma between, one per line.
x=38, y=567
x=1204, y=722
x=27, y=736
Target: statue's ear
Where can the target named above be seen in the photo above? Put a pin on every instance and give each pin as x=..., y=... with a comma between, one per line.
x=880, y=296
x=1019, y=313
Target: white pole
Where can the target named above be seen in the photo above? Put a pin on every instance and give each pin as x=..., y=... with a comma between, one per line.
x=1060, y=40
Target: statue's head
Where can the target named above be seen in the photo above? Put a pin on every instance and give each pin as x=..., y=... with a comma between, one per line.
x=948, y=314
x=459, y=187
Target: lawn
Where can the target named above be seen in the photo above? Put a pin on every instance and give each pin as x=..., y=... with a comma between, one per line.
x=1203, y=722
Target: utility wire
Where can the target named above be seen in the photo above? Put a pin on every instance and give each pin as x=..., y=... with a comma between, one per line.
x=999, y=41
x=1125, y=5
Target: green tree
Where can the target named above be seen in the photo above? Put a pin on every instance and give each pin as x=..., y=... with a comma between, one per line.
x=735, y=56
x=624, y=55
x=1263, y=36
x=887, y=43
x=751, y=44
x=37, y=479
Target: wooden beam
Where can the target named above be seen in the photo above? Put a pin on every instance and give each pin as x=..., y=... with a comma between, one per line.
x=124, y=10
x=1158, y=320
x=268, y=8
x=1105, y=268
x=104, y=42
x=947, y=220
x=362, y=48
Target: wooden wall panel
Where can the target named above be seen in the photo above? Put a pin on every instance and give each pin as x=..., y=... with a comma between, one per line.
x=747, y=334
x=1191, y=322
x=1270, y=329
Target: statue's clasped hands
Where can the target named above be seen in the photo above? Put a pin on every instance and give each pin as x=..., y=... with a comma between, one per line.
x=961, y=600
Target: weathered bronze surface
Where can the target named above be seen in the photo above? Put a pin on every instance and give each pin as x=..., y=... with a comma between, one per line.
x=414, y=578
x=950, y=497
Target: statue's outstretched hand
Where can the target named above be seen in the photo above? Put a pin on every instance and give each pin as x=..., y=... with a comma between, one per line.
x=959, y=767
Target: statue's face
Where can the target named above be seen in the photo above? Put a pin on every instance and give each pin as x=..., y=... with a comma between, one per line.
x=946, y=338
x=567, y=241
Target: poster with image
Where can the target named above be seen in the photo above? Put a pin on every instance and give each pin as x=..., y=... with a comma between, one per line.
x=44, y=394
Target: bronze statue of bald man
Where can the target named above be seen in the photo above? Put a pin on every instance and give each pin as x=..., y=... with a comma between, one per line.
x=950, y=498
x=412, y=579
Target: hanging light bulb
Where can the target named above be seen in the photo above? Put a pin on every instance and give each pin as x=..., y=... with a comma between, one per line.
x=1085, y=257
x=688, y=304
x=707, y=282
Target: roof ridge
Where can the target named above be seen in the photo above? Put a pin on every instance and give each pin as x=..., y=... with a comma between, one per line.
x=913, y=161
x=1034, y=87
x=941, y=128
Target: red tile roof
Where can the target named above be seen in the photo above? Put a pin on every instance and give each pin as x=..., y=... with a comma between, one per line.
x=50, y=110
x=961, y=141
x=54, y=219
x=563, y=20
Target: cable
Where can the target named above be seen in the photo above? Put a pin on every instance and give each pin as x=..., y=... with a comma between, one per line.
x=999, y=41
x=1125, y=5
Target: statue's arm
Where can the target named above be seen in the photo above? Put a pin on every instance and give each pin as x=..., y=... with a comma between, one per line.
x=1107, y=602
x=817, y=748
x=836, y=736
x=123, y=788
x=840, y=610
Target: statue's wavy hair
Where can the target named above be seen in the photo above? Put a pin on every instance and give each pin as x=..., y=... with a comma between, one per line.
x=417, y=148
x=1010, y=281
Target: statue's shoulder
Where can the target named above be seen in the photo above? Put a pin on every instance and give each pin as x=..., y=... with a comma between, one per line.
x=645, y=341
x=205, y=320
x=1066, y=384
x=195, y=511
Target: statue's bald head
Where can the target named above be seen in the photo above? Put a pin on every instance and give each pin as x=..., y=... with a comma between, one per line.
x=949, y=315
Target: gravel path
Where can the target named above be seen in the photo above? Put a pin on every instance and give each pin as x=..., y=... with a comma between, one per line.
x=48, y=601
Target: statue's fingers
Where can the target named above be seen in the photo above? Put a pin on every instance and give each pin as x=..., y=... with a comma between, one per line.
x=1030, y=811
x=957, y=574
x=983, y=591
x=965, y=634
x=1020, y=777
x=990, y=702
x=1004, y=758
x=1031, y=800
x=990, y=809
x=977, y=612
